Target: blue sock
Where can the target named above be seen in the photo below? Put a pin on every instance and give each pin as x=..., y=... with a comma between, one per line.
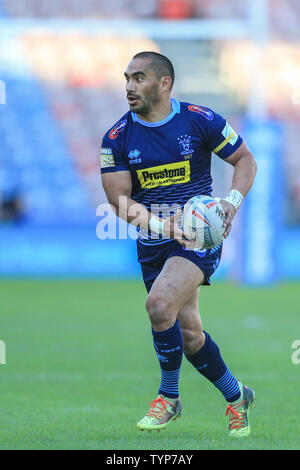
x=169, y=349
x=208, y=361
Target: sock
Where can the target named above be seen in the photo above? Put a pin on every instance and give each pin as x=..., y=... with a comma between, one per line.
x=169, y=349
x=208, y=361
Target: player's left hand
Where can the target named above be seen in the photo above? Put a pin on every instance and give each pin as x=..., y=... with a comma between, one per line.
x=172, y=229
x=229, y=212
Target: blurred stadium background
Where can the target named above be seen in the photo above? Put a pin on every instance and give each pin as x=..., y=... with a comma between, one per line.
x=62, y=87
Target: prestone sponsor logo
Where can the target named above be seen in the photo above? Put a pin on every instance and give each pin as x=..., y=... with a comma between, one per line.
x=165, y=175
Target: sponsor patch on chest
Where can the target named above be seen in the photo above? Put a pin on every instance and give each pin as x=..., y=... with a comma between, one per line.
x=165, y=175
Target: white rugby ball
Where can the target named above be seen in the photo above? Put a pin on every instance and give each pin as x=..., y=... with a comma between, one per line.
x=202, y=218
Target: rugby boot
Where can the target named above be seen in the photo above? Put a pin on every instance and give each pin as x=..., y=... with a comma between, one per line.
x=238, y=412
x=162, y=411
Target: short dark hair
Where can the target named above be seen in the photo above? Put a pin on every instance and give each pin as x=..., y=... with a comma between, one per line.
x=161, y=64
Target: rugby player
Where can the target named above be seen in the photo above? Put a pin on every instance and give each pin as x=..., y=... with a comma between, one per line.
x=156, y=157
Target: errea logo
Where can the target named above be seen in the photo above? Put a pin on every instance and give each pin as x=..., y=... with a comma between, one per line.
x=134, y=156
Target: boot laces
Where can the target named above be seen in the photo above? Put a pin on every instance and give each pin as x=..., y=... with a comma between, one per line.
x=236, y=419
x=158, y=407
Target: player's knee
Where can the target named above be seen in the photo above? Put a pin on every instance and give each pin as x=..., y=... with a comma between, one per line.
x=156, y=305
x=160, y=311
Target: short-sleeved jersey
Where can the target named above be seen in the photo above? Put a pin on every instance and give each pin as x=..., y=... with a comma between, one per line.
x=170, y=160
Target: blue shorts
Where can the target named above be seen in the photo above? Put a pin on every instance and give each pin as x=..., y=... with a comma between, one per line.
x=153, y=258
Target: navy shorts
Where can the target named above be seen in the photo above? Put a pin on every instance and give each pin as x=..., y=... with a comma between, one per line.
x=153, y=258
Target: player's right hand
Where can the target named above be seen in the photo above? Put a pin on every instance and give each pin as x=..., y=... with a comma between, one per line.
x=172, y=230
x=229, y=212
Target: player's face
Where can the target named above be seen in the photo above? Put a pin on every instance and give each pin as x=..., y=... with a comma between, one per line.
x=142, y=86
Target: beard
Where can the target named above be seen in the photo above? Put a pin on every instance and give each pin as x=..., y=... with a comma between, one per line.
x=146, y=103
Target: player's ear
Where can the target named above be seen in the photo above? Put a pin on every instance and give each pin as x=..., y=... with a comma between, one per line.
x=165, y=83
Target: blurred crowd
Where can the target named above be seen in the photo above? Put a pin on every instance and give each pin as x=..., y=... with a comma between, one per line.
x=284, y=14
x=65, y=90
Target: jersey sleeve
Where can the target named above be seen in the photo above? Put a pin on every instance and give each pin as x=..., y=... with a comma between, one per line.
x=112, y=157
x=222, y=139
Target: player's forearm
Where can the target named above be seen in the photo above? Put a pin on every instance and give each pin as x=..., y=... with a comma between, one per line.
x=138, y=215
x=244, y=173
x=118, y=189
x=131, y=211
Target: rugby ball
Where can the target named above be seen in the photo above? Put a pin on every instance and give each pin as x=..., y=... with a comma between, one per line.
x=202, y=218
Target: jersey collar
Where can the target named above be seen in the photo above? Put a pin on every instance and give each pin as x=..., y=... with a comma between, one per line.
x=175, y=109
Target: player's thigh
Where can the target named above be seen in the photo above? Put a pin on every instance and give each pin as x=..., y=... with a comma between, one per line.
x=172, y=289
x=191, y=324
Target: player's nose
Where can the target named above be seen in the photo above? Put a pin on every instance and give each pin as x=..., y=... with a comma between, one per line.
x=130, y=86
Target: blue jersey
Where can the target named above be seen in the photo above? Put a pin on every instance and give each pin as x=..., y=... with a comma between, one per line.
x=170, y=160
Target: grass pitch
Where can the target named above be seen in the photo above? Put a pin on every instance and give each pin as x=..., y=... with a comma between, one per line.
x=81, y=367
